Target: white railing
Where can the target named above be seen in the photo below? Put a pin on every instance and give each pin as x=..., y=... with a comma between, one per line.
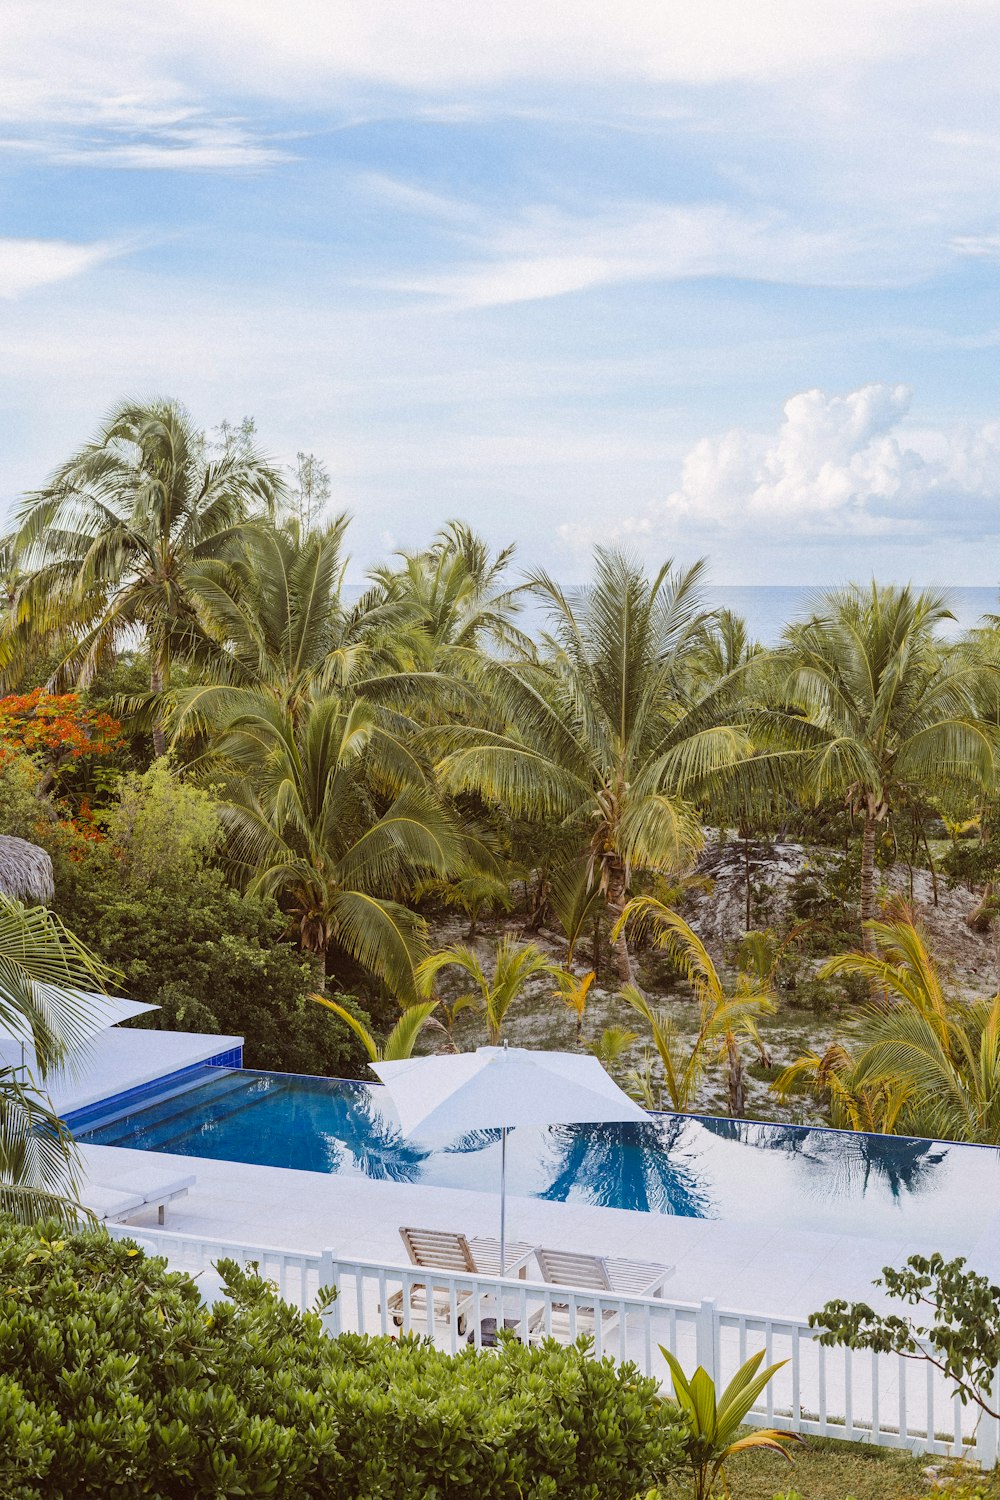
x=830, y=1392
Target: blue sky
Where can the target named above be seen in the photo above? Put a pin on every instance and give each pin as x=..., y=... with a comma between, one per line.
x=707, y=278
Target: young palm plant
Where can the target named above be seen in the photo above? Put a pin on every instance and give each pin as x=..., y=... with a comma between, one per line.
x=572, y=990
x=713, y=1421
x=108, y=546
x=514, y=966
x=600, y=735
x=878, y=710
x=728, y=1011
x=400, y=1041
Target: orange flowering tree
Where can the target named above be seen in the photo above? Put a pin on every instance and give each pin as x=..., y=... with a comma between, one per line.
x=57, y=725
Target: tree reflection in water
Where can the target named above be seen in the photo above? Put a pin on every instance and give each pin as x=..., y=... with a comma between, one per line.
x=374, y=1143
x=627, y=1166
x=474, y=1140
x=849, y=1160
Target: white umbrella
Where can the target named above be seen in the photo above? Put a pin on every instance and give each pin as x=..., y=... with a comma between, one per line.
x=502, y=1087
x=95, y=1013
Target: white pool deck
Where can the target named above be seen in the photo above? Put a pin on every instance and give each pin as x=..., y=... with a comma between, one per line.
x=745, y=1267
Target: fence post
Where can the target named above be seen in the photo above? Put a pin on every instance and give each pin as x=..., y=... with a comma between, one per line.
x=704, y=1333
x=988, y=1432
x=327, y=1277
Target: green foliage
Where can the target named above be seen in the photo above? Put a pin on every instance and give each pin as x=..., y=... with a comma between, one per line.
x=163, y=828
x=957, y=1327
x=214, y=959
x=824, y=895
x=972, y=862
x=22, y=813
x=116, y=1381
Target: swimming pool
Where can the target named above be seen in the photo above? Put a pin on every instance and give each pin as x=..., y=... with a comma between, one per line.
x=798, y=1177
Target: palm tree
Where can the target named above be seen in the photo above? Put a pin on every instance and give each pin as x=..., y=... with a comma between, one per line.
x=878, y=711
x=272, y=608
x=43, y=969
x=572, y=990
x=600, y=736
x=110, y=542
x=927, y=1063
x=329, y=811
x=514, y=966
x=457, y=596
x=728, y=1012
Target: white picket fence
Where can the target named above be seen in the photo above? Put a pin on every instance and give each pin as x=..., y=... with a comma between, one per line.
x=835, y=1393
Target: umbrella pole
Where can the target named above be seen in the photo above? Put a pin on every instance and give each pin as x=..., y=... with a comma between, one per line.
x=503, y=1200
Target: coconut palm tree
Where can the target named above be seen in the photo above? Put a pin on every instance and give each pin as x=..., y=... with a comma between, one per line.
x=110, y=542
x=456, y=593
x=43, y=971
x=514, y=966
x=878, y=711
x=599, y=736
x=728, y=1011
x=328, y=810
x=277, y=624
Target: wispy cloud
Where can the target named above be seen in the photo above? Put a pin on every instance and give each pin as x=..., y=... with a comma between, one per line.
x=546, y=253
x=28, y=264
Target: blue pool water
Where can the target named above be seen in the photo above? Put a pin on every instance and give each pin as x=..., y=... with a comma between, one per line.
x=799, y=1177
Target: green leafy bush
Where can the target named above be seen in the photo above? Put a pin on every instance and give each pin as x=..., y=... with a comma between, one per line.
x=214, y=959
x=115, y=1381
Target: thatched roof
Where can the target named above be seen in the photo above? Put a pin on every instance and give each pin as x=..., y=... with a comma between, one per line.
x=25, y=870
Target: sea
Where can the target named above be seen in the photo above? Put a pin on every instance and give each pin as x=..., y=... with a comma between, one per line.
x=768, y=608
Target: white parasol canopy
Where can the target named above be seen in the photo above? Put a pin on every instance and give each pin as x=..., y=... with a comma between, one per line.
x=447, y=1096
x=95, y=1013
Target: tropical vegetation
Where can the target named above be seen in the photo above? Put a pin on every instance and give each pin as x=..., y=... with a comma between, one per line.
x=457, y=802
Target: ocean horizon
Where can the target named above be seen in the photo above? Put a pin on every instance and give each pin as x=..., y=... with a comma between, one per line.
x=768, y=608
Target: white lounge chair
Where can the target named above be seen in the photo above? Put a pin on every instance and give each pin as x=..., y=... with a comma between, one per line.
x=131, y=1192
x=611, y=1275
x=445, y=1250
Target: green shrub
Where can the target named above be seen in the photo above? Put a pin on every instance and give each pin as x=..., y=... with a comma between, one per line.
x=215, y=960
x=116, y=1382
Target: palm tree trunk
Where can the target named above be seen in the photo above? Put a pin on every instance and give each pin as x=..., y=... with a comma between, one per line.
x=868, y=881
x=736, y=1087
x=156, y=686
x=615, y=901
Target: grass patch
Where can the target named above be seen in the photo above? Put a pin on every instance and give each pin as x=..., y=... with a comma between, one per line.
x=826, y=1469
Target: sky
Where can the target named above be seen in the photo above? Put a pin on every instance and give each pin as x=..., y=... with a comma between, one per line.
x=699, y=277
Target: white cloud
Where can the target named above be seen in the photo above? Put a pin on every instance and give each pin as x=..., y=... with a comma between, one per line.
x=433, y=43
x=836, y=467
x=27, y=264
